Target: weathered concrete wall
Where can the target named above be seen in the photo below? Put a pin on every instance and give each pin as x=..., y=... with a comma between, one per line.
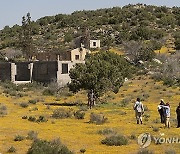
x=63, y=79
x=40, y=71
x=23, y=71
x=45, y=71
x=81, y=52
x=5, y=71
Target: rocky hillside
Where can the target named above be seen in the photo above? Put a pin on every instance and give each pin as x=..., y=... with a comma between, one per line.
x=112, y=26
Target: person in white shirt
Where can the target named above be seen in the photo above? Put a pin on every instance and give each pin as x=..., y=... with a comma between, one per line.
x=139, y=111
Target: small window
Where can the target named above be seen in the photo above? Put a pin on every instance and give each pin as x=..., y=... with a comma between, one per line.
x=64, y=68
x=94, y=44
x=77, y=57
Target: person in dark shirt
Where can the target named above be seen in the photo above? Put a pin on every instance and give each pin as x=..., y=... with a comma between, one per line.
x=178, y=115
x=161, y=111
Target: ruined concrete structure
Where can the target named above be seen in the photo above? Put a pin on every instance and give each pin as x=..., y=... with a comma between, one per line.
x=95, y=44
x=43, y=71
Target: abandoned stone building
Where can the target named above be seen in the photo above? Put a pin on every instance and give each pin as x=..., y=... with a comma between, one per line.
x=45, y=68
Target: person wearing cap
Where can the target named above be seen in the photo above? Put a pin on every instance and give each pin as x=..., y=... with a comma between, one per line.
x=161, y=111
x=178, y=115
x=167, y=115
x=139, y=111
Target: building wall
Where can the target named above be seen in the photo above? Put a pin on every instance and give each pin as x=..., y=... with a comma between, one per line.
x=23, y=70
x=44, y=71
x=5, y=71
x=63, y=79
x=81, y=52
x=95, y=44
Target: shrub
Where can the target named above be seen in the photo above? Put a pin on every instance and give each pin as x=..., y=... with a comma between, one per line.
x=82, y=150
x=125, y=102
x=116, y=140
x=155, y=129
x=83, y=108
x=156, y=121
x=61, y=113
x=145, y=151
x=11, y=149
x=31, y=118
x=170, y=151
x=24, y=105
x=145, y=95
x=41, y=119
x=32, y=135
x=34, y=109
x=146, y=108
x=24, y=117
x=48, y=92
x=45, y=147
x=19, y=138
x=3, y=110
x=79, y=114
x=107, y=131
x=97, y=118
x=132, y=137
x=168, y=81
x=33, y=101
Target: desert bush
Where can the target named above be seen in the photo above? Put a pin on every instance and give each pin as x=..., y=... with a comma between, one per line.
x=79, y=114
x=97, y=118
x=107, y=131
x=83, y=108
x=122, y=112
x=132, y=136
x=32, y=135
x=48, y=92
x=42, y=119
x=24, y=117
x=145, y=151
x=82, y=150
x=34, y=109
x=155, y=129
x=33, y=101
x=116, y=140
x=32, y=118
x=61, y=113
x=48, y=107
x=24, y=105
x=19, y=138
x=3, y=110
x=145, y=95
x=156, y=121
x=48, y=147
x=146, y=117
x=11, y=150
x=170, y=151
x=146, y=108
x=125, y=102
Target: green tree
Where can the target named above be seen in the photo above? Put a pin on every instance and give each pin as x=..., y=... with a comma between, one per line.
x=102, y=72
x=25, y=40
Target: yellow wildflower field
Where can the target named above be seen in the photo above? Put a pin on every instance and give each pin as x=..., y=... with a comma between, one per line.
x=80, y=134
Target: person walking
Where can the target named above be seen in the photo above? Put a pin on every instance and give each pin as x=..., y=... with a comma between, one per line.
x=139, y=111
x=91, y=99
x=178, y=115
x=167, y=115
x=161, y=111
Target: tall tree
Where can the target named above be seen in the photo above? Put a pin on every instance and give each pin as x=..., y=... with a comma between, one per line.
x=26, y=41
x=102, y=72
